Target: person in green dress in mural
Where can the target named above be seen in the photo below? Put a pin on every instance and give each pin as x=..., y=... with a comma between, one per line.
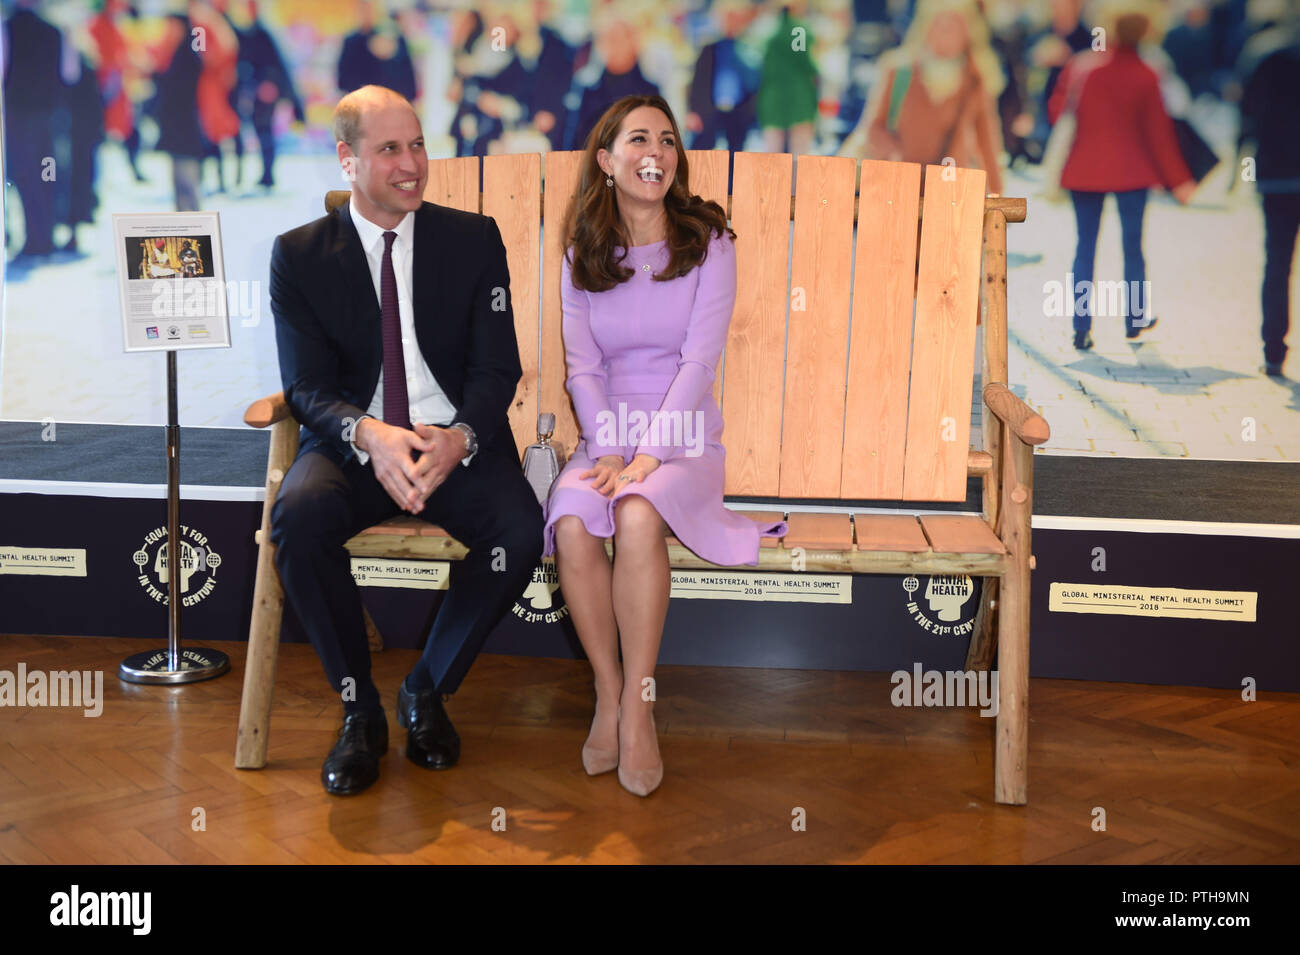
x=787, y=100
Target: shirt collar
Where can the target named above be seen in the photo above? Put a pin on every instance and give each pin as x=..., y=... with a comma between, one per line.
x=372, y=236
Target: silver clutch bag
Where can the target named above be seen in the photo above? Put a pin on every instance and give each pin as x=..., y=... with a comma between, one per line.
x=543, y=461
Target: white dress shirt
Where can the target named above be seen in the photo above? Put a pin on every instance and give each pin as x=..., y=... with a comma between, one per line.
x=427, y=401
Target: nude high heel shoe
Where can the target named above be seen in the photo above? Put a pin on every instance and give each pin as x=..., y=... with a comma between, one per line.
x=641, y=782
x=595, y=760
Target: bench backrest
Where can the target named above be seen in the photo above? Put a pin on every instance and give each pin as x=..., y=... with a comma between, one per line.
x=849, y=366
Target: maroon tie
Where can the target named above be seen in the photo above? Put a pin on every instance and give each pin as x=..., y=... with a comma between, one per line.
x=396, y=401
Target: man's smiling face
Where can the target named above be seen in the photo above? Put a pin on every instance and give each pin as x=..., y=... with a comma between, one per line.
x=388, y=165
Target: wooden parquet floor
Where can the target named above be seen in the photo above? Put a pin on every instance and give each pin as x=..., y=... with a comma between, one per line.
x=1184, y=775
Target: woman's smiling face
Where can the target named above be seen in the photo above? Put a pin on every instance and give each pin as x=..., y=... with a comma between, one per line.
x=643, y=160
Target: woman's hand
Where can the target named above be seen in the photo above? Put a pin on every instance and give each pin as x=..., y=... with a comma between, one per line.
x=606, y=471
x=636, y=472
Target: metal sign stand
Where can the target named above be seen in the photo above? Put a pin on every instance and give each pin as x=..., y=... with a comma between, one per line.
x=173, y=665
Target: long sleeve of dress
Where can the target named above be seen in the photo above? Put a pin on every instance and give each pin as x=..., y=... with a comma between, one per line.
x=706, y=336
x=587, y=380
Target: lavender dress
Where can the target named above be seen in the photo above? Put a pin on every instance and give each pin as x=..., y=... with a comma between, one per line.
x=642, y=358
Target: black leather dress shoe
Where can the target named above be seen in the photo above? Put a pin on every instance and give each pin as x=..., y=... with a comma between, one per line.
x=353, y=763
x=431, y=742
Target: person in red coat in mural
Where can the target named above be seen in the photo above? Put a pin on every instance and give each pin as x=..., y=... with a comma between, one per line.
x=1124, y=143
x=220, y=53
x=117, y=73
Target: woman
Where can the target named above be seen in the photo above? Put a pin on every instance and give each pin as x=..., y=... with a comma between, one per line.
x=175, y=108
x=648, y=283
x=937, y=96
x=1124, y=142
x=787, y=93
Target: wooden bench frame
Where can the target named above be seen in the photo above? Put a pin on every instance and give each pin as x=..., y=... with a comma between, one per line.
x=995, y=546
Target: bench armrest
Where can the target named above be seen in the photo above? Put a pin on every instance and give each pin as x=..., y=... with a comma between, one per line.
x=1027, y=424
x=265, y=412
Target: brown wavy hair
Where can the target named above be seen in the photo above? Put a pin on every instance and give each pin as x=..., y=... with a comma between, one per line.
x=593, y=227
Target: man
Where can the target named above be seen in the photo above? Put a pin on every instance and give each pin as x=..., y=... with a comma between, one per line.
x=398, y=355
x=1270, y=117
x=36, y=109
x=264, y=81
x=375, y=54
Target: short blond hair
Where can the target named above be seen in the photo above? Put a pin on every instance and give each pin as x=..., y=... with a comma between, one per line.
x=351, y=109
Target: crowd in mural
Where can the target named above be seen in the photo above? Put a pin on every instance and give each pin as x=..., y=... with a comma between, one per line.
x=221, y=87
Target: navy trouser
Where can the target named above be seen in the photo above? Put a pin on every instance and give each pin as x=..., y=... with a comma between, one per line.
x=1281, y=224
x=485, y=506
x=1087, y=215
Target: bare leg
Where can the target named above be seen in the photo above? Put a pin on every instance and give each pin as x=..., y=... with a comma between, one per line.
x=641, y=585
x=773, y=139
x=801, y=139
x=585, y=579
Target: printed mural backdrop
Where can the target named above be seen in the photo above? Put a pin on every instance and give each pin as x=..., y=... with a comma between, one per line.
x=109, y=107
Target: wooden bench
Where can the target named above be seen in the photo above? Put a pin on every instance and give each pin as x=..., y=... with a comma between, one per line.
x=813, y=413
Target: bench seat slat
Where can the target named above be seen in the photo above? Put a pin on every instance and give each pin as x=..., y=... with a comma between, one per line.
x=766, y=517
x=889, y=532
x=407, y=547
x=819, y=532
x=396, y=527
x=405, y=525
x=962, y=544
x=960, y=534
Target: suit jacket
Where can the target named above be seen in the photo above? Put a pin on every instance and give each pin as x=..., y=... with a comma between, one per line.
x=330, y=338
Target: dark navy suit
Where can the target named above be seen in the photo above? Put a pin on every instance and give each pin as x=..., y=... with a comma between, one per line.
x=329, y=335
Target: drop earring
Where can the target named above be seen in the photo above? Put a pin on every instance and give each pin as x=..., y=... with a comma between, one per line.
x=609, y=181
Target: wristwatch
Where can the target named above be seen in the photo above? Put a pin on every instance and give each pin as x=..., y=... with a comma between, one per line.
x=471, y=441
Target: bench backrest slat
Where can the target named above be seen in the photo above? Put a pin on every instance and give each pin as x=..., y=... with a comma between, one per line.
x=512, y=195
x=453, y=183
x=943, y=341
x=812, y=426
x=562, y=172
x=880, y=343
x=755, y=355
x=709, y=181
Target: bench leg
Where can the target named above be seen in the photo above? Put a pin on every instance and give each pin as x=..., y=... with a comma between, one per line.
x=259, y=668
x=1011, y=758
x=984, y=637
x=268, y=607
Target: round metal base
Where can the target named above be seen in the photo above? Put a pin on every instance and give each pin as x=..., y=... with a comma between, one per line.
x=197, y=663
